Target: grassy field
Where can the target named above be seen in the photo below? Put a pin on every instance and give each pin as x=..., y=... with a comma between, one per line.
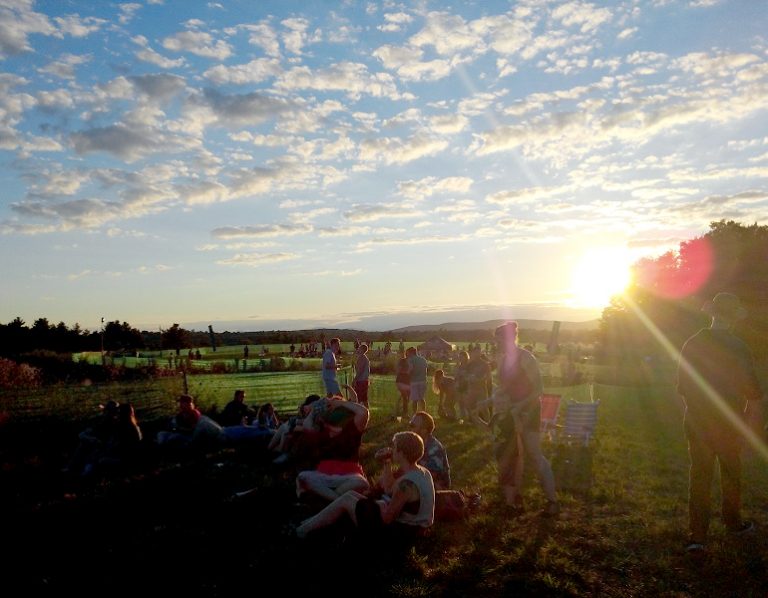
x=622, y=534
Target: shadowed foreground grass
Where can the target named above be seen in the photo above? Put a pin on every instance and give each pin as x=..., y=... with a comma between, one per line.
x=173, y=527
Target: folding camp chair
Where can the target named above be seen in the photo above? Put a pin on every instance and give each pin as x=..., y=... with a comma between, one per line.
x=550, y=405
x=580, y=421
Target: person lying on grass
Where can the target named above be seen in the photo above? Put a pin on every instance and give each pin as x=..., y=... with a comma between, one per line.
x=407, y=507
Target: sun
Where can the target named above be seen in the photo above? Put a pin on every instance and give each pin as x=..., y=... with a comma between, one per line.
x=601, y=273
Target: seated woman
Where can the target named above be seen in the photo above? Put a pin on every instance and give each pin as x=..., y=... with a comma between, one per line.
x=124, y=447
x=445, y=389
x=183, y=424
x=338, y=448
x=409, y=504
x=266, y=417
x=93, y=440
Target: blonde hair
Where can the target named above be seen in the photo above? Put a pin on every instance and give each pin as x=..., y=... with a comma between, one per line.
x=436, y=379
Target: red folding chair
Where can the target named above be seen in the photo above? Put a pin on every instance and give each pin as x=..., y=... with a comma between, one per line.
x=550, y=405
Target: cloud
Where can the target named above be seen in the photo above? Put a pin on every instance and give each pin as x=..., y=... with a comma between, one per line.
x=351, y=78
x=230, y=110
x=428, y=186
x=129, y=143
x=581, y=14
x=17, y=22
x=519, y=196
x=254, y=260
x=342, y=273
x=254, y=71
x=65, y=66
x=264, y=36
x=342, y=231
x=383, y=242
x=261, y=230
x=152, y=57
x=447, y=33
x=158, y=87
x=409, y=66
x=296, y=35
x=198, y=43
x=77, y=26
x=370, y=213
x=393, y=150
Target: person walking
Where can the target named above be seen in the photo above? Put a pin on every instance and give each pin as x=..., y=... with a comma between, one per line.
x=717, y=382
x=516, y=401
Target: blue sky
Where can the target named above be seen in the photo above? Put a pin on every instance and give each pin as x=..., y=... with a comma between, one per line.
x=258, y=165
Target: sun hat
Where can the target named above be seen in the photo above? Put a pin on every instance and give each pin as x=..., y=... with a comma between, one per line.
x=726, y=306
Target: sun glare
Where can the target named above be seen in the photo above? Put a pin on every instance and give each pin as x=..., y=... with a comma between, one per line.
x=599, y=275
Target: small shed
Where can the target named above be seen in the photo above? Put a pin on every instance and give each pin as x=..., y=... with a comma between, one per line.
x=436, y=346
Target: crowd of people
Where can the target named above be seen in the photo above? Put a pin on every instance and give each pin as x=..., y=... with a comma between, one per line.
x=322, y=442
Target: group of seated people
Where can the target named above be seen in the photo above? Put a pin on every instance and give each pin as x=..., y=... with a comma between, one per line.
x=236, y=424
x=321, y=443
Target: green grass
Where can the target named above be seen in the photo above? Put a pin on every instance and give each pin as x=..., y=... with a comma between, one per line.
x=621, y=536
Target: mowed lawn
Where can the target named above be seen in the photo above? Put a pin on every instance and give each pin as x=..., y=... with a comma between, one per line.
x=174, y=527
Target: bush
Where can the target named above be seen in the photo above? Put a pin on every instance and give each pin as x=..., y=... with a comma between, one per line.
x=18, y=375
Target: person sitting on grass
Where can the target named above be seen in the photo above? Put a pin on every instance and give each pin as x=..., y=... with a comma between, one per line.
x=182, y=424
x=123, y=449
x=267, y=418
x=435, y=459
x=288, y=437
x=338, y=447
x=408, y=505
x=236, y=412
x=93, y=440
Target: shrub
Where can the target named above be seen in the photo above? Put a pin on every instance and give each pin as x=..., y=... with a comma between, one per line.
x=16, y=375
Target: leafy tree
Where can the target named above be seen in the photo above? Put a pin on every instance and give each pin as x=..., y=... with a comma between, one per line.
x=121, y=337
x=176, y=338
x=663, y=306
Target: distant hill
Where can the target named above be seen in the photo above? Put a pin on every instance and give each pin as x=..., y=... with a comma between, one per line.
x=492, y=324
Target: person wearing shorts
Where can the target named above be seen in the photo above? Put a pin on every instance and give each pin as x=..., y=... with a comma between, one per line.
x=417, y=370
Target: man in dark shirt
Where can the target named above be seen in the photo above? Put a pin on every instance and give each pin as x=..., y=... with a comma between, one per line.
x=236, y=412
x=716, y=379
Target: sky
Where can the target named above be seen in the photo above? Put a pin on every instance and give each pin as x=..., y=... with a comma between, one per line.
x=284, y=165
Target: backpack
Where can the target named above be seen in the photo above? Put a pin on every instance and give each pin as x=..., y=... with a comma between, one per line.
x=453, y=505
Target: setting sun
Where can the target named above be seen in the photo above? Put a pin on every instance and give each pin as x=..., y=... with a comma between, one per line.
x=601, y=273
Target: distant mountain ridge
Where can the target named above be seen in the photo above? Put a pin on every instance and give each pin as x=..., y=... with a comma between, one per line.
x=492, y=324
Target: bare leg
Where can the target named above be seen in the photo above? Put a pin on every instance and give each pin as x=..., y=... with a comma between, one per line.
x=331, y=514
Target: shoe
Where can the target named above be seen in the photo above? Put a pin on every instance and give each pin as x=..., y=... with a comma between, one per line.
x=282, y=459
x=746, y=527
x=552, y=509
x=695, y=548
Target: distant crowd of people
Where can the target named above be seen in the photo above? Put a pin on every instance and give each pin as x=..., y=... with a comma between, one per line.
x=322, y=441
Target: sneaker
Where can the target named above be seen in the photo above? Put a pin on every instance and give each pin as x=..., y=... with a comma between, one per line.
x=695, y=548
x=552, y=509
x=282, y=459
x=744, y=528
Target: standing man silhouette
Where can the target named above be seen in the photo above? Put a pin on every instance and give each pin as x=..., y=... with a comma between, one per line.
x=716, y=379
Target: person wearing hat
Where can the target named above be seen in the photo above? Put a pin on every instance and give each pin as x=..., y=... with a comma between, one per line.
x=717, y=382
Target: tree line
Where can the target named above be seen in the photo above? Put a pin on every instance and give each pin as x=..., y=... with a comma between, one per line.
x=662, y=307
